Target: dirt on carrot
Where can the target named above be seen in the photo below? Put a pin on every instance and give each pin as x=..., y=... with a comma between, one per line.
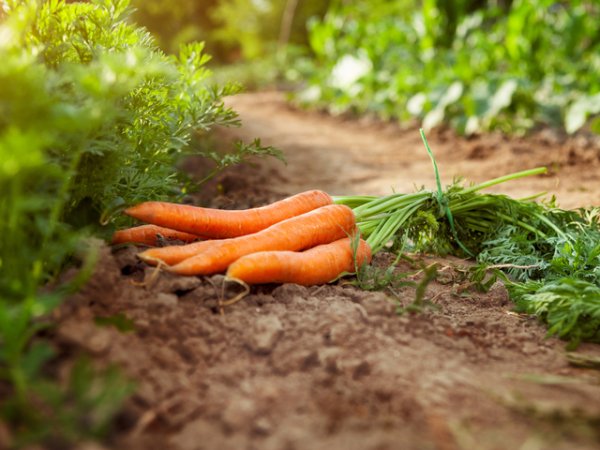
x=333, y=366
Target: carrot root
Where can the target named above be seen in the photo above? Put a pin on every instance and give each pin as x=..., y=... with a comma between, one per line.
x=173, y=254
x=151, y=279
x=320, y=226
x=239, y=296
x=318, y=265
x=150, y=235
x=218, y=223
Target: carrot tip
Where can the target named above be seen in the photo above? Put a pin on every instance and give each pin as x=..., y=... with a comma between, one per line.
x=227, y=278
x=239, y=296
x=152, y=278
x=152, y=260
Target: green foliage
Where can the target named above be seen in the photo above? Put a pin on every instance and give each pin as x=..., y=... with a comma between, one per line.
x=250, y=25
x=120, y=321
x=241, y=153
x=255, y=27
x=177, y=23
x=81, y=409
x=110, y=109
x=370, y=277
x=570, y=306
x=554, y=275
x=420, y=303
x=474, y=66
x=233, y=29
x=93, y=116
x=549, y=258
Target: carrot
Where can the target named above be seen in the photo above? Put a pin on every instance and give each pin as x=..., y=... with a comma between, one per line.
x=220, y=223
x=320, y=226
x=149, y=235
x=173, y=254
x=318, y=265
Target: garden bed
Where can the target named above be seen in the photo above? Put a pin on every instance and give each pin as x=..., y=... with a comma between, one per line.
x=291, y=367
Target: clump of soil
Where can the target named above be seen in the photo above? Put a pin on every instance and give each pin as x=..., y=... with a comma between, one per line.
x=327, y=367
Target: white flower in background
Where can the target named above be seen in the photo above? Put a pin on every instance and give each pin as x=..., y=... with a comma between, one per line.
x=311, y=94
x=261, y=5
x=349, y=69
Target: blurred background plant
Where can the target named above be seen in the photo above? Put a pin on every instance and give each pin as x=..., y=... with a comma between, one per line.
x=251, y=41
x=475, y=65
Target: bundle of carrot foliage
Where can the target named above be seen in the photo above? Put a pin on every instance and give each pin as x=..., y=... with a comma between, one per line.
x=548, y=258
x=303, y=239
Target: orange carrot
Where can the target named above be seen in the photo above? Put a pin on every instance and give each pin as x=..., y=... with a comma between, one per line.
x=220, y=223
x=320, y=226
x=318, y=265
x=173, y=254
x=149, y=235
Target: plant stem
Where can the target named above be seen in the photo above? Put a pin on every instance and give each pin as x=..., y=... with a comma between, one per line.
x=505, y=178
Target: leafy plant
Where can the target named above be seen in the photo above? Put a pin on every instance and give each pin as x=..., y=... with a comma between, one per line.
x=80, y=409
x=420, y=303
x=93, y=116
x=234, y=30
x=176, y=23
x=473, y=65
x=370, y=277
x=240, y=154
x=561, y=285
x=570, y=306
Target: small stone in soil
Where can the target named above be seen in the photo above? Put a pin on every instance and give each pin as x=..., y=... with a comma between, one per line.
x=266, y=332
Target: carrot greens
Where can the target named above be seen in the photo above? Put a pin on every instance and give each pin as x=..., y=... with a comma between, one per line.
x=549, y=257
x=93, y=116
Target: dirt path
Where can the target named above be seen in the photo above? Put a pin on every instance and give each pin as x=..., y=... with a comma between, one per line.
x=350, y=157
x=335, y=367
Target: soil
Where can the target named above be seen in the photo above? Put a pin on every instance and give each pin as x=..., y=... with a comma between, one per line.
x=328, y=367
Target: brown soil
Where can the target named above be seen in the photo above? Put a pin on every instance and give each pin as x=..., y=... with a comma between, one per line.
x=334, y=367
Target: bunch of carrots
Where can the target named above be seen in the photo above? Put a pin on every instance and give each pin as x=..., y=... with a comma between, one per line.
x=304, y=239
x=312, y=238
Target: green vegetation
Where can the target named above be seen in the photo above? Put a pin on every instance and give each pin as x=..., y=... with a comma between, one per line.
x=93, y=116
x=550, y=257
x=473, y=65
x=253, y=42
x=234, y=30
